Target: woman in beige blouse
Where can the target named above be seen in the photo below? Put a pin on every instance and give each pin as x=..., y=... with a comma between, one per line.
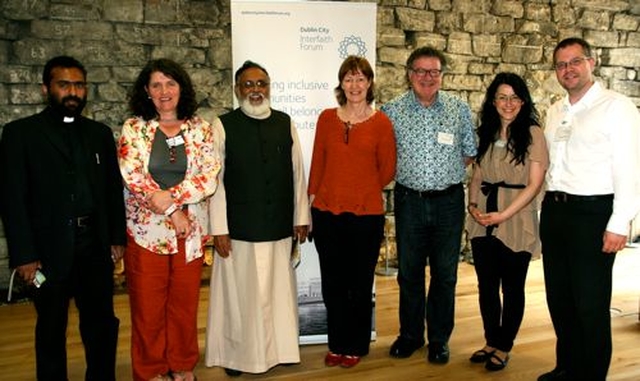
x=508, y=174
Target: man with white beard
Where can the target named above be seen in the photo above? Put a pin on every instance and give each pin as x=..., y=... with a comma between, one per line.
x=259, y=208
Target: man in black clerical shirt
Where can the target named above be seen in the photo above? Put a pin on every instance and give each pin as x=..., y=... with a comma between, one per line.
x=63, y=213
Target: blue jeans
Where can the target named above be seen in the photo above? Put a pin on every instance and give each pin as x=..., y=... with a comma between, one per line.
x=428, y=229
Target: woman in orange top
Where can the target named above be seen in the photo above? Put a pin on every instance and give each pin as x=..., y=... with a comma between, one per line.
x=354, y=158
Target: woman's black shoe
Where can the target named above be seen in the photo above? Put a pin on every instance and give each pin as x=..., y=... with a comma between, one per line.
x=481, y=356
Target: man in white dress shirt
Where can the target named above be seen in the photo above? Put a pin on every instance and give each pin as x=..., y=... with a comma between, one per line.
x=592, y=196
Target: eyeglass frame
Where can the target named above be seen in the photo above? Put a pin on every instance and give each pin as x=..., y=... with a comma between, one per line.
x=574, y=62
x=248, y=85
x=420, y=72
x=508, y=98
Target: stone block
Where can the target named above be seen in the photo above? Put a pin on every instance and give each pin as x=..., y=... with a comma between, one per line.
x=563, y=14
x=448, y=22
x=390, y=37
x=112, y=92
x=75, y=11
x=603, y=5
x=183, y=55
x=21, y=94
x=633, y=40
x=392, y=55
x=4, y=96
x=537, y=11
x=440, y=5
x=417, y=4
x=219, y=54
x=30, y=51
x=475, y=23
x=434, y=40
x=204, y=13
x=24, y=10
x=18, y=74
x=124, y=10
x=471, y=6
x=596, y=20
x=602, y=39
x=57, y=29
x=519, y=69
x=459, y=43
x=125, y=73
x=628, y=88
x=386, y=16
x=415, y=19
x=487, y=45
x=513, y=8
x=463, y=82
x=521, y=51
x=625, y=22
x=626, y=57
x=541, y=27
x=478, y=68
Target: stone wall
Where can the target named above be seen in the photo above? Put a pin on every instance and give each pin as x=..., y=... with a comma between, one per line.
x=115, y=38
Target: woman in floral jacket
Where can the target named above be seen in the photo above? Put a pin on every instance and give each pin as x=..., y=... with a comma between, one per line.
x=169, y=167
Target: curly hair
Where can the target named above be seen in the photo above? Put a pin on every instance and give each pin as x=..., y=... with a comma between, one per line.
x=519, y=135
x=354, y=64
x=140, y=103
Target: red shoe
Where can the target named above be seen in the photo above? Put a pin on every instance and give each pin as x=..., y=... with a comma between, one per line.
x=332, y=359
x=349, y=361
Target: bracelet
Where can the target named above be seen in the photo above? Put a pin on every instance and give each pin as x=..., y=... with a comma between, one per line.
x=472, y=204
x=170, y=210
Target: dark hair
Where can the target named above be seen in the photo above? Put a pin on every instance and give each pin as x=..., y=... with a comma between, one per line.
x=60, y=61
x=139, y=101
x=586, y=48
x=248, y=65
x=427, y=51
x=519, y=138
x=353, y=64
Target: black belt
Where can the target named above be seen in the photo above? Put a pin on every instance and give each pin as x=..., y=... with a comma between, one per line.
x=430, y=193
x=491, y=191
x=568, y=197
x=82, y=222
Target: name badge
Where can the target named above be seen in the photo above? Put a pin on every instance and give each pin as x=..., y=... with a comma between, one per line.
x=175, y=141
x=563, y=132
x=445, y=138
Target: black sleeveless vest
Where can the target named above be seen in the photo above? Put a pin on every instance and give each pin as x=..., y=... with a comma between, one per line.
x=258, y=176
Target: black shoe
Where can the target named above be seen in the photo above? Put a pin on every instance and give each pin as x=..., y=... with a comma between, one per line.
x=232, y=372
x=554, y=375
x=495, y=363
x=403, y=348
x=481, y=356
x=438, y=353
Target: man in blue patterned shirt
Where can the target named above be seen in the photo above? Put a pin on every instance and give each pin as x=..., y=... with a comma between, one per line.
x=435, y=142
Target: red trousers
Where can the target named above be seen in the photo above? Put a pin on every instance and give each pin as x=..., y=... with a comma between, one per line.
x=163, y=295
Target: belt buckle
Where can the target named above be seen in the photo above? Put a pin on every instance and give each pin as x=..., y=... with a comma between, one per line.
x=560, y=197
x=82, y=222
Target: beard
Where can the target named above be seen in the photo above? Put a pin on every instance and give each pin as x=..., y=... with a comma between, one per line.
x=261, y=111
x=70, y=105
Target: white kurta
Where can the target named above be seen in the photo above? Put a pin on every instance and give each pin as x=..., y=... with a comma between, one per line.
x=253, y=310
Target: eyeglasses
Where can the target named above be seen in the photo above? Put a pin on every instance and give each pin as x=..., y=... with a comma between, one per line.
x=347, y=127
x=508, y=98
x=433, y=73
x=575, y=62
x=247, y=85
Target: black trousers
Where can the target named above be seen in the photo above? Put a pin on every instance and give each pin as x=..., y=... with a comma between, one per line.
x=91, y=285
x=497, y=266
x=348, y=248
x=578, y=284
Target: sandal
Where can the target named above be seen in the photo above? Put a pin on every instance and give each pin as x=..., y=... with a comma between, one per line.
x=498, y=364
x=183, y=375
x=481, y=356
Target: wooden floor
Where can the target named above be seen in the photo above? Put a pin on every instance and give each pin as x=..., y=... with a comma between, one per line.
x=533, y=353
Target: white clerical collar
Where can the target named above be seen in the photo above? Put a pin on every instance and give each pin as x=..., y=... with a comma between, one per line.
x=68, y=119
